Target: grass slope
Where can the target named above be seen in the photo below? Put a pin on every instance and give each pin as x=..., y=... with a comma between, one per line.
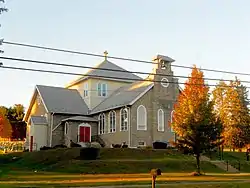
x=235, y=159
x=110, y=161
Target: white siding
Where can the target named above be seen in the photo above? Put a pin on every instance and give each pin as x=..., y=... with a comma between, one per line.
x=39, y=133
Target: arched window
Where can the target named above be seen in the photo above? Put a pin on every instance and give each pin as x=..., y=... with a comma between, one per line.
x=124, y=119
x=112, y=121
x=66, y=127
x=101, y=123
x=160, y=120
x=171, y=120
x=141, y=118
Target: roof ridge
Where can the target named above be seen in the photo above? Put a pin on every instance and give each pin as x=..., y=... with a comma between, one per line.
x=103, y=67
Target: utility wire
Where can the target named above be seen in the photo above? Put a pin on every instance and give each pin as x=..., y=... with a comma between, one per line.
x=106, y=69
x=99, y=76
x=118, y=58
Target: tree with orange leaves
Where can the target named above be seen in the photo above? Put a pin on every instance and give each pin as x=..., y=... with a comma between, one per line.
x=193, y=120
x=5, y=126
x=231, y=107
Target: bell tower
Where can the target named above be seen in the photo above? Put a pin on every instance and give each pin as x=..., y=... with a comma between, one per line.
x=166, y=84
x=162, y=71
x=165, y=92
x=162, y=63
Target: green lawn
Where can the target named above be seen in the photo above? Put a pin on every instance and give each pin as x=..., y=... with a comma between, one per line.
x=40, y=179
x=235, y=159
x=228, y=155
x=208, y=185
x=111, y=161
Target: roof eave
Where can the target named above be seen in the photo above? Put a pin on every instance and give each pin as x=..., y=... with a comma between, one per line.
x=31, y=103
x=141, y=94
x=123, y=105
x=111, y=108
x=76, y=81
x=69, y=113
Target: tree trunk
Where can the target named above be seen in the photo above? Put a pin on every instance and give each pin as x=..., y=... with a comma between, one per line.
x=198, y=163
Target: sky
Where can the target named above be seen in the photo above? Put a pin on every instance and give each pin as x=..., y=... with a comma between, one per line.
x=208, y=33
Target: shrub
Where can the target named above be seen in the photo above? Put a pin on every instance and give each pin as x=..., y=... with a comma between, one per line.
x=74, y=145
x=125, y=146
x=59, y=146
x=95, y=145
x=89, y=153
x=116, y=145
x=45, y=148
x=160, y=145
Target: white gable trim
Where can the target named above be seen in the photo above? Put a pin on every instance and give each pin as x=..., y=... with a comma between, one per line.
x=31, y=103
x=141, y=94
x=42, y=99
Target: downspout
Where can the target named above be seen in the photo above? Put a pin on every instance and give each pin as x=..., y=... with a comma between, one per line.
x=129, y=128
x=51, y=127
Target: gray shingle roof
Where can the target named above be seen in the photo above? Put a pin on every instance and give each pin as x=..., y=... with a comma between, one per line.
x=124, y=96
x=38, y=120
x=62, y=100
x=80, y=118
x=126, y=75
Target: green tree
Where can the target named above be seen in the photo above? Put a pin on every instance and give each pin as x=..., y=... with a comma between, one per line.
x=15, y=116
x=193, y=120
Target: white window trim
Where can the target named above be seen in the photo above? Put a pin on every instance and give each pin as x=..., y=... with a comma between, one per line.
x=161, y=128
x=102, y=89
x=101, y=116
x=171, y=121
x=106, y=89
x=139, y=129
x=66, y=128
x=85, y=90
x=121, y=114
x=84, y=125
x=98, y=89
x=113, y=124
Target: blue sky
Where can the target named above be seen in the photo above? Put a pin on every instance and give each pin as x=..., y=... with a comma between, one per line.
x=209, y=33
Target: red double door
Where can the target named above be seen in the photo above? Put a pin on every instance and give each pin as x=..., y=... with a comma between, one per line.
x=84, y=134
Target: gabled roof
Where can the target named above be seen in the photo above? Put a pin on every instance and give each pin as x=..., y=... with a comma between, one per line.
x=59, y=100
x=38, y=120
x=102, y=70
x=126, y=95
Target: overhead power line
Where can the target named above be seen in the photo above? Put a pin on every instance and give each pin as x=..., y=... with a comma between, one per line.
x=99, y=76
x=118, y=58
x=105, y=69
